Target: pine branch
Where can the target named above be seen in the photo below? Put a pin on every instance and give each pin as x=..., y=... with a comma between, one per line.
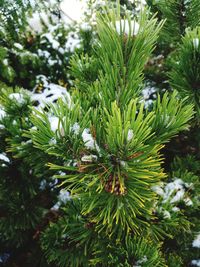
x=184, y=75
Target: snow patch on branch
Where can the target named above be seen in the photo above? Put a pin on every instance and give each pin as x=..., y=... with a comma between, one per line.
x=38, y=19
x=174, y=192
x=50, y=94
x=54, y=121
x=52, y=142
x=63, y=197
x=130, y=135
x=89, y=141
x=43, y=184
x=3, y=157
x=19, y=98
x=196, y=242
x=148, y=94
x=89, y=158
x=126, y=27
x=139, y=262
x=2, y=113
x=75, y=128
x=196, y=43
x=18, y=46
x=55, y=44
x=4, y=257
x=73, y=42
x=196, y=262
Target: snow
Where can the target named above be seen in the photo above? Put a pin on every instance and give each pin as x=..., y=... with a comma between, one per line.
x=34, y=128
x=166, y=214
x=55, y=44
x=196, y=43
x=122, y=163
x=75, y=128
x=62, y=173
x=196, y=242
x=89, y=158
x=73, y=10
x=143, y=260
x=4, y=257
x=172, y=193
x=52, y=62
x=143, y=2
x=73, y=42
x=5, y=61
x=35, y=21
x=18, y=97
x=188, y=201
x=4, y=157
x=50, y=94
x=2, y=113
x=52, y=141
x=53, y=183
x=63, y=197
x=148, y=91
x=175, y=209
x=54, y=121
x=85, y=26
x=43, y=184
x=196, y=262
x=43, y=53
x=123, y=26
x=43, y=79
x=89, y=141
x=130, y=135
x=61, y=50
x=158, y=189
x=19, y=46
x=79, y=11
x=178, y=196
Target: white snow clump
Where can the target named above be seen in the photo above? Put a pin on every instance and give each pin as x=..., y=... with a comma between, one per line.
x=196, y=42
x=4, y=157
x=130, y=135
x=123, y=26
x=196, y=242
x=18, y=97
x=196, y=262
x=89, y=141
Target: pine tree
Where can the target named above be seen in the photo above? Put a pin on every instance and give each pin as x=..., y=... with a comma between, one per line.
x=25, y=184
x=25, y=201
x=178, y=69
x=110, y=147
x=27, y=53
x=107, y=175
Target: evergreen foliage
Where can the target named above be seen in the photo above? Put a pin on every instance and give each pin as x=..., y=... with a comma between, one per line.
x=26, y=53
x=13, y=19
x=184, y=75
x=105, y=173
x=111, y=151
x=179, y=59
x=179, y=15
x=70, y=242
x=23, y=203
